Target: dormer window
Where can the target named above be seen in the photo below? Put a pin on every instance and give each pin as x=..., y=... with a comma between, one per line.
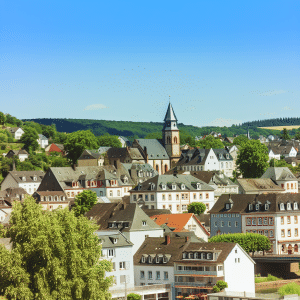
x=144, y=223
x=173, y=186
x=295, y=205
x=165, y=259
x=183, y=255
x=34, y=178
x=227, y=156
x=228, y=206
x=209, y=256
x=152, y=186
x=183, y=186
x=163, y=186
x=114, y=241
x=281, y=206
x=191, y=255
x=150, y=259
x=250, y=207
x=24, y=178
x=220, y=155
x=143, y=260
x=157, y=259
x=198, y=186
x=266, y=206
x=139, y=186
x=256, y=206
x=288, y=206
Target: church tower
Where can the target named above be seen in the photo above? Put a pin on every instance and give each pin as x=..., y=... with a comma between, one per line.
x=170, y=135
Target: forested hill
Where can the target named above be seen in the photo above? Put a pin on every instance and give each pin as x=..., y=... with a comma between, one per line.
x=274, y=122
x=141, y=129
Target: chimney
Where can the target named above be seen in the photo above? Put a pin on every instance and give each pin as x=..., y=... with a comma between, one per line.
x=168, y=239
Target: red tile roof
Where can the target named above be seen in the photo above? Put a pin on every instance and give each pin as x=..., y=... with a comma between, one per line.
x=177, y=221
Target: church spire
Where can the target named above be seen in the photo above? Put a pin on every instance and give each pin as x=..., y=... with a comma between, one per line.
x=170, y=119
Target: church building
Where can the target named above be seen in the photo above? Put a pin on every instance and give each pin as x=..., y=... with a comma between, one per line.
x=162, y=154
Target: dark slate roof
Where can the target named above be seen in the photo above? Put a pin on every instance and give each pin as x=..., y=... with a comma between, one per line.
x=107, y=236
x=225, y=249
x=242, y=201
x=259, y=184
x=211, y=177
x=158, y=246
x=133, y=215
x=155, y=149
x=188, y=180
x=193, y=157
x=154, y=212
x=223, y=155
x=170, y=115
x=279, y=173
x=29, y=175
x=101, y=212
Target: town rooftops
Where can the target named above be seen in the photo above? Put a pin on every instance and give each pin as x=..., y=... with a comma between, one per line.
x=259, y=185
x=279, y=174
x=134, y=153
x=267, y=203
x=173, y=183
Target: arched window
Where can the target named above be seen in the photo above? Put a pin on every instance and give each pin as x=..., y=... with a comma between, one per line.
x=175, y=139
x=168, y=140
x=166, y=168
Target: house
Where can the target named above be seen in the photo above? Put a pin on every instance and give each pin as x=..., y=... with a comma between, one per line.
x=174, y=192
x=117, y=249
x=21, y=154
x=17, y=132
x=42, y=141
x=206, y=160
x=182, y=222
x=229, y=139
x=90, y=158
x=274, y=153
x=124, y=155
x=294, y=161
x=51, y=200
x=59, y=148
x=201, y=265
x=154, y=260
x=283, y=177
x=124, y=141
x=282, y=150
x=105, y=181
x=217, y=180
x=28, y=180
x=258, y=186
x=273, y=215
x=139, y=172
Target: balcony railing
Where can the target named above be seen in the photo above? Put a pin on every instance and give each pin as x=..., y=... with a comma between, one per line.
x=194, y=284
x=192, y=272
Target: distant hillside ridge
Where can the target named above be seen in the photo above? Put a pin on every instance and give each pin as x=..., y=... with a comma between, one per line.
x=141, y=129
x=274, y=122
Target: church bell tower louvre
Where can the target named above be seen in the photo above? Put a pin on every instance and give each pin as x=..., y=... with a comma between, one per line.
x=170, y=135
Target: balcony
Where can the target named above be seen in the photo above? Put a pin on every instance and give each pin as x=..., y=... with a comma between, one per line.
x=197, y=285
x=192, y=272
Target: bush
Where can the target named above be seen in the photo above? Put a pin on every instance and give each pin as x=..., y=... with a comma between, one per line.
x=133, y=296
x=3, y=147
x=216, y=289
x=221, y=284
x=289, y=289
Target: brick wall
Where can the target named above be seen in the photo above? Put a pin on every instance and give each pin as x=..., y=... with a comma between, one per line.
x=274, y=284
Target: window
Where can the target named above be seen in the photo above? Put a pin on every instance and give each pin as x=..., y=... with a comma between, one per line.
x=281, y=206
x=288, y=220
x=289, y=232
x=122, y=265
x=296, y=219
x=111, y=252
x=248, y=221
x=266, y=232
x=222, y=224
x=288, y=206
x=254, y=221
x=194, y=196
x=143, y=259
x=237, y=260
x=220, y=268
x=271, y=233
x=142, y=275
x=215, y=224
x=236, y=223
x=271, y=221
x=170, y=197
x=229, y=224
x=144, y=223
x=163, y=196
x=157, y=275
x=166, y=276
x=152, y=197
x=265, y=221
x=296, y=231
x=206, y=196
x=170, y=207
x=184, y=207
x=282, y=220
x=178, y=207
x=259, y=221
x=282, y=233
x=200, y=196
x=150, y=275
x=257, y=206
x=177, y=196
x=295, y=205
x=146, y=197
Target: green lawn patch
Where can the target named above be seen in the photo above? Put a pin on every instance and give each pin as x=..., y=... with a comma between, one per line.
x=289, y=289
x=267, y=279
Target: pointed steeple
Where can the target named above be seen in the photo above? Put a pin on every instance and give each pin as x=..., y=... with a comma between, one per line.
x=170, y=115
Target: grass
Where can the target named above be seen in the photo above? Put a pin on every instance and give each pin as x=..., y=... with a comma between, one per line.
x=289, y=289
x=268, y=291
x=288, y=127
x=11, y=146
x=266, y=279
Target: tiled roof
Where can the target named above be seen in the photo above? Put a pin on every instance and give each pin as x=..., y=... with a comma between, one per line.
x=154, y=212
x=155, y=149
x=193, y=157
x=279, y=173
x=189, y=181
x=107, y=239
x=27, y=175
x=259, y=184
x=242, y=201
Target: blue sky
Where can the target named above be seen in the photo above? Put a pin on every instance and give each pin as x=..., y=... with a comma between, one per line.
x=221, y=62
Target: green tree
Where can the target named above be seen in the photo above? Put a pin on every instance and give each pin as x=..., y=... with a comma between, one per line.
x=154, y=135
x=186, y=138
x=79, y=141
x=219, y=286
x=55, y=256
x=84, y=201
x=210, y=142
x=196, y=208
x=239, y=140
x=285, y=134
x=133, y=296
x=49, y=131
x=108, y=140
x=60, y=138
x=29, y=139
x=2, y=118
x=250, y=242
x=3, y=137
x=252, y=160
